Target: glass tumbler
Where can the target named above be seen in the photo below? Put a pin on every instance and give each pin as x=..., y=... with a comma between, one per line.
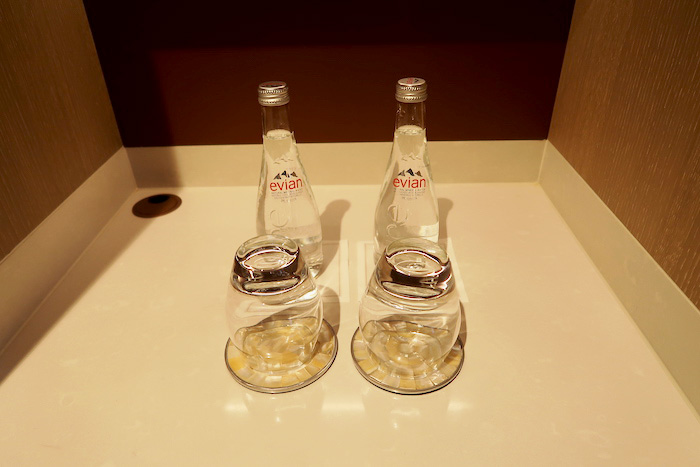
x=278, y=338
x=410, y=318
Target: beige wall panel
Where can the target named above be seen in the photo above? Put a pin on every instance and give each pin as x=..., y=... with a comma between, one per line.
x=627, y=118
x=56, y=121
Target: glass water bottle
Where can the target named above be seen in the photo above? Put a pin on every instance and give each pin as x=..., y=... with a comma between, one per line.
x=286, y=204
x=407, y=205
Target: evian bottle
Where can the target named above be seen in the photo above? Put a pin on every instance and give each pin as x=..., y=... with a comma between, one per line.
x=407, y=204
x=286, y=205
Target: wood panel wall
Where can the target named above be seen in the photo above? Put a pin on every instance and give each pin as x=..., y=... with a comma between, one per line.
x=56, y=123
x=182, y=72
x=627, y=117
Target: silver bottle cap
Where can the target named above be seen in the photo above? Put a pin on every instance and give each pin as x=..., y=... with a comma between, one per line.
x=411, y=90
x=273, y=93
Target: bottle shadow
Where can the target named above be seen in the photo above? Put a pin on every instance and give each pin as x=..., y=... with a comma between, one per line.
x=444, y=207
x=463, y=325
x=331, y=307
x=331, y=220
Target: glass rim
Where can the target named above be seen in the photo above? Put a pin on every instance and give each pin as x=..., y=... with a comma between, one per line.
x=441, y=280
x=293, y=270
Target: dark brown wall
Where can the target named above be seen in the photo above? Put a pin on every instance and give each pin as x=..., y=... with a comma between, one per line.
x=56, y=123
x=627, y=117
x=182, y=72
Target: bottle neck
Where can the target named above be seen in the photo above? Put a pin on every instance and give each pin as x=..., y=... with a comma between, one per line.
x=275, y=118
x=410, y=114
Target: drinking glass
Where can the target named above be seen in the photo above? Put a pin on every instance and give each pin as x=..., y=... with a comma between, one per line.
x=278, y=341
x=410, y=317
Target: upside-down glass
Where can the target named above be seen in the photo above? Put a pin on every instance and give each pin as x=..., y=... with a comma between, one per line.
x=410, y=318
x=278, y=339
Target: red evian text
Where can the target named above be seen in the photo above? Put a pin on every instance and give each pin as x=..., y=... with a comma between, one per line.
x=409, y=183
x=286, y=185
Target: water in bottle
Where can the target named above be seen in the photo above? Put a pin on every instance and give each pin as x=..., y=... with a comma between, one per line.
x=286, y=204
x=407, y=206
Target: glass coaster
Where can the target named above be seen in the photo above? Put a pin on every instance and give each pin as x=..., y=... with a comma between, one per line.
x=325, y=351
x=386, y=378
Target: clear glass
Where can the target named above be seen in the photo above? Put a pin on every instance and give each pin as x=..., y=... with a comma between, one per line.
x=273, y=308
x=410, y=314
x=407, y=206
x=286, y=204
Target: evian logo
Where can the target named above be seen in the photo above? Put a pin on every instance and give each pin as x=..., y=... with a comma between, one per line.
x=409, y=179
x=287, y=181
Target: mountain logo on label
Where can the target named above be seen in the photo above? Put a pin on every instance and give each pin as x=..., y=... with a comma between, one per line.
x=286, y=175
x=409, y=172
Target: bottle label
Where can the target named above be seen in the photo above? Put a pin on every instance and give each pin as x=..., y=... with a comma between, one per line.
x=285, y=185
x=410, y=183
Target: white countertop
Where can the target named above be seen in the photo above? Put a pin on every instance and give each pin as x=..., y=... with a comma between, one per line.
x=123, y=363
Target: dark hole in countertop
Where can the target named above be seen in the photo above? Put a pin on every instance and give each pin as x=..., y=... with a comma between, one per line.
x=156, y=205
